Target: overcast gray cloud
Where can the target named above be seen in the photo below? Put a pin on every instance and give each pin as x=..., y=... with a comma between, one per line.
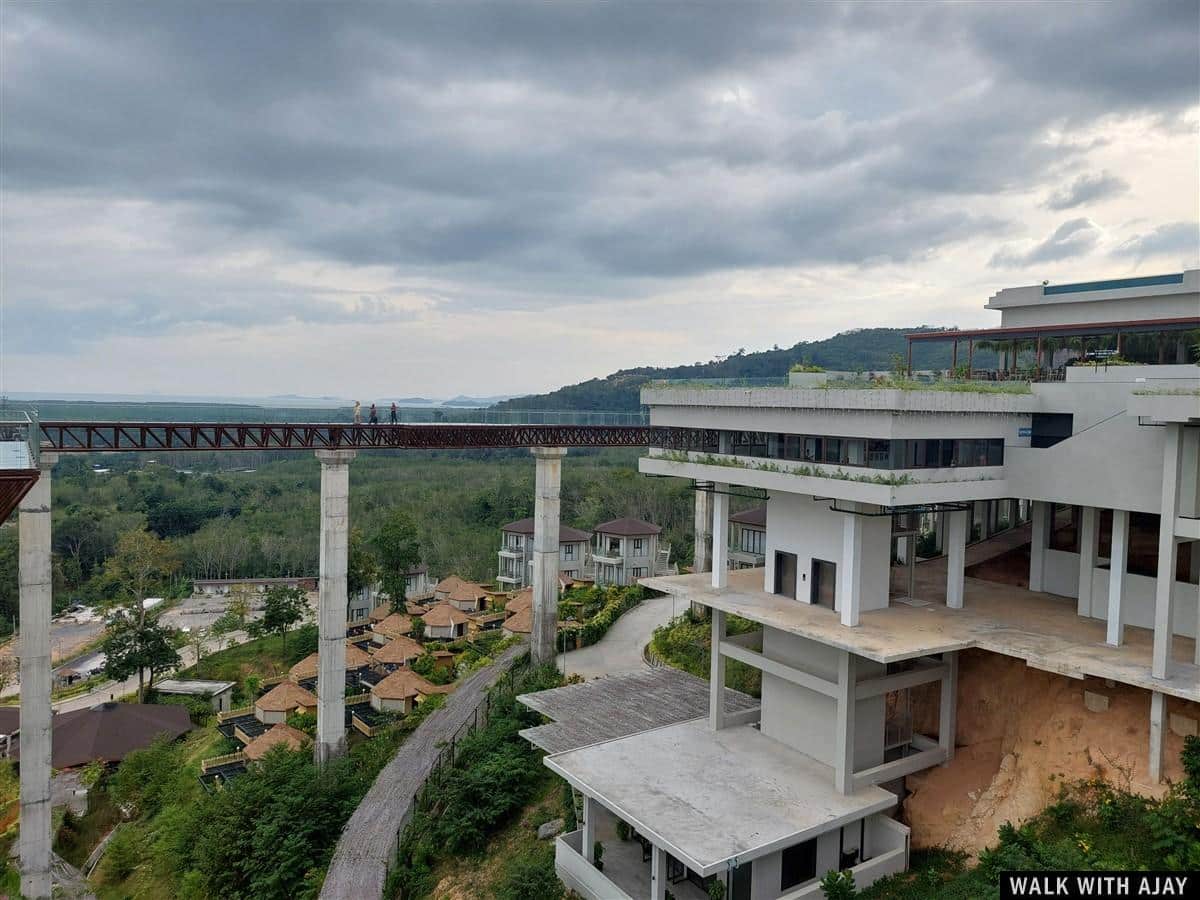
x=1181, y=239
x=173, y=166
x=1087, y=189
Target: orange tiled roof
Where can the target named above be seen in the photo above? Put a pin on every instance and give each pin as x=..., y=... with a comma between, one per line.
x=281, y=735
x=284, y=697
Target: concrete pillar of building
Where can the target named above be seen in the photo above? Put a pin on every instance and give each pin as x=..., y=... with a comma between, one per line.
x=702, y=554
x=947, y=705
x=1118, y=563
x=1039, y=515
x=589, y=829
x=1164, y=613
x=1158, y=715
x=331, y=605
x=547, y=482
x=956, y=556
x=720, y=536
x=849, y=571
x=658, y=873
x=1088, y=533
x=716, y=680
x=36, y=599
x=844, y=737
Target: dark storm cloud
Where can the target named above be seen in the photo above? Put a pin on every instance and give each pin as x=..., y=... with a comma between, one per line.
x=1087, y=189
x=530, y=151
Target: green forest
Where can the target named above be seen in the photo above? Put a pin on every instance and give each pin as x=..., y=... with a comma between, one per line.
x=240, y=515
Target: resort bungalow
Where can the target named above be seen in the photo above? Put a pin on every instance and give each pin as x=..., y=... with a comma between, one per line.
x=281, y=735
x=402, y=691
x=394, y=626
x=445, y=623
x=396, y=653
x=520, y=623
x=283, y=700
x=306, y=670
x=468, y=597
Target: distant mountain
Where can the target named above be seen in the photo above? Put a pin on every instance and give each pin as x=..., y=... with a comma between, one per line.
x=861, y=348
x=476, y=402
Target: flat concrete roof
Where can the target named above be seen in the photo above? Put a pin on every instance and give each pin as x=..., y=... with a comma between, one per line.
x=1044, y=630
x=707, y=797
x=619, y=705
x=192, y=686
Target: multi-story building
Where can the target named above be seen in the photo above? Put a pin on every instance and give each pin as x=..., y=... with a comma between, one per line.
x=515, y=569
x=748, y=535
x=628, y=549
x=1100, y=586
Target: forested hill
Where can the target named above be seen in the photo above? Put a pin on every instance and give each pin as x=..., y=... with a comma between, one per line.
x=863, y=348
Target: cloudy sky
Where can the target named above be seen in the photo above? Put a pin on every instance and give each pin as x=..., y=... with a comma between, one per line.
x=388, y=200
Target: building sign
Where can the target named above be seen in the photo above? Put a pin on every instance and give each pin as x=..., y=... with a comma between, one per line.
x=1025, y=431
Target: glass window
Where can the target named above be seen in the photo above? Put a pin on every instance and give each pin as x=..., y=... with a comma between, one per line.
x=568, y=551
x=833, y=450
x=812, y=449
x=946, y=449
x=792, y=446
x=751, y=540
x=879, y=454
x=855, y=452
x=995, y=452
x=798, y=865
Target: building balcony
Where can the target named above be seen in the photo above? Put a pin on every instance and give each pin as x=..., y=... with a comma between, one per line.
x=744, y=559
x=608, y=559
x=512, y=553
x=508, y=579
x=1042, y=629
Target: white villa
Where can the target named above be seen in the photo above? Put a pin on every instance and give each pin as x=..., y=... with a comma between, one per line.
x=627, y=550
x=1100, y=587
x=515, y=568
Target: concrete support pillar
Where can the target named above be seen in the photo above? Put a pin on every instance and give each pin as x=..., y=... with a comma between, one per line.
x=956, y=556
x=1039, y=514
x=849, y=571
x=1118, y=563
x=948, y=703
x=1164, y=613
x=331, y=606
x=1088, y=533
x=720, y=536
x=702, y=553
x=658, y=873
x=844, y=738
x=1158, y=716
x=716, y=679
x=589, y=829
x=35, y=602
x=547, y=482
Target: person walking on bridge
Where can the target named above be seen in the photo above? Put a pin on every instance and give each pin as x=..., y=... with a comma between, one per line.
x=357, y=413
x=392, y=419
x=373, y=417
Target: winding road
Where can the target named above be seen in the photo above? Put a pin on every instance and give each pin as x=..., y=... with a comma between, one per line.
x=620, y=650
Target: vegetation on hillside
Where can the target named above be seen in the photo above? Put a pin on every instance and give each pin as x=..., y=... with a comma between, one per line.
x=686, y=643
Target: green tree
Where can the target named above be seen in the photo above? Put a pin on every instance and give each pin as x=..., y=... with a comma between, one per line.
x=362, y=570
x=283, y=608
x=131, y=646
x=399, y=550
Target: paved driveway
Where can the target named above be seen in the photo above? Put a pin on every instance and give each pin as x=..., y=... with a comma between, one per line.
x=620, y=650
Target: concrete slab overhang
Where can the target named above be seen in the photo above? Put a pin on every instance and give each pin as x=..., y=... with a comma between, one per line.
x=984, y=483
x=843, y=399
x=712, y=797
x=1041, y=629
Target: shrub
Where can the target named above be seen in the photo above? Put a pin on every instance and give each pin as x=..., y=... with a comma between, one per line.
x=123, y=855
x=716, y=889
x=598, y=856
x=530, y=876
x=838, y=885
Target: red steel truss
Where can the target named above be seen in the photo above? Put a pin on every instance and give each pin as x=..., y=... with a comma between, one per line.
x=93, y=437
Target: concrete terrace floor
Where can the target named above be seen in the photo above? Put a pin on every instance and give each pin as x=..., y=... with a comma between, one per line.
x=1041, y=629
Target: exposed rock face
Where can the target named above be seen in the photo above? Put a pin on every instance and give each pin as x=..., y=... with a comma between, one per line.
x=1022, y=733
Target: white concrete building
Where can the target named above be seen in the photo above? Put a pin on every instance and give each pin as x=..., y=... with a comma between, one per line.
x=747, y=538
x=1107, y=463
x=515, y=567
x=626, y=550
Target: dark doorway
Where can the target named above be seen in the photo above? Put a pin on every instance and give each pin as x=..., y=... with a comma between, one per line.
x=785, y=574
x=824, y=583
x=740, y=881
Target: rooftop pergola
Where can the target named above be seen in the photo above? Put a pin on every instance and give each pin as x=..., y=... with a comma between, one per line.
x=1039, y=334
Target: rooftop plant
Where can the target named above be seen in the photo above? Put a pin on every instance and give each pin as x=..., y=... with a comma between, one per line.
x=806, y=367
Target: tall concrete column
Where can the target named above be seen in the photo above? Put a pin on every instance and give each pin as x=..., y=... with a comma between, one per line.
x=847, y=707
x=331, y=605
x=720, y=536
x=1158, y=715
x=1118, y=563
x=716, y=677
x=658, y=873
x=547, y=483
x=1164, y=613
x=1088, y=517
x=35, y=604
x=956, y=556
x=947, y=705
x=589, y=829
x=702, y=554
x=1039, y=514
x=849, y=571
